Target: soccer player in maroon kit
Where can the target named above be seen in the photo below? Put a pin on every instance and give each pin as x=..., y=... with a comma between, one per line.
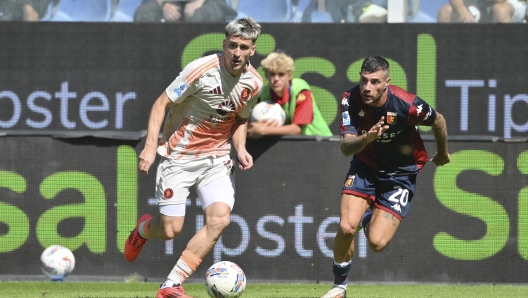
x=379, y=127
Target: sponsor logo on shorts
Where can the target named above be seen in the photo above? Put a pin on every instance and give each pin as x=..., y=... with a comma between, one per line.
x=350, y=180
x=168, y=193
x=245, y=94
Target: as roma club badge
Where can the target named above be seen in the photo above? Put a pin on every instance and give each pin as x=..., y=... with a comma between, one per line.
x=245, y=94
x=168, y=193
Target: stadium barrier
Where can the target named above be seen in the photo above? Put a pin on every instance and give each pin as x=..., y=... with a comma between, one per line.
x=467, y=222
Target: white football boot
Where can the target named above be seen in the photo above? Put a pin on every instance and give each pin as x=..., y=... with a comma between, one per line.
x=336, y=292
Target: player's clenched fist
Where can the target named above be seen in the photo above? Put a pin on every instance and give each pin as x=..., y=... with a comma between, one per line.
x=146, y=159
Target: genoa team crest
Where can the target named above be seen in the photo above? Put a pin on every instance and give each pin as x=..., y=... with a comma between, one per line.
x=391, y=117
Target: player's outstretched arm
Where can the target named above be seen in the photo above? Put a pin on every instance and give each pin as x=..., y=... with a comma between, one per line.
x=352, y=144
x=157, y=114
x=439, y=128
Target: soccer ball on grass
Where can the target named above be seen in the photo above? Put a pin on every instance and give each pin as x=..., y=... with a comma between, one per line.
x=57, y=262
x=268, y=110
x=225, y=279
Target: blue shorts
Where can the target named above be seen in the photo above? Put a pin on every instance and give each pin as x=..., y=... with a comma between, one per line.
x=391, y=193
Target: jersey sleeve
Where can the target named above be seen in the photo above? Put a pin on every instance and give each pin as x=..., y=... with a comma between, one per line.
x=303, y=108
x=349, y=124
x=180, y=88
x=421, y=113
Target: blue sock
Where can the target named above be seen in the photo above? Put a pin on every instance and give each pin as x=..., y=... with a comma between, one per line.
x=366, y=218
x=340, y=271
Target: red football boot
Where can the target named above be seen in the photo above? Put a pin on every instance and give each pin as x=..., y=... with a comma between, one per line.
x=172, y=292
x=134, y=243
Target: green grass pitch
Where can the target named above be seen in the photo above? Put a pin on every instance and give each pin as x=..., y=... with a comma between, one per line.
x=196, y=290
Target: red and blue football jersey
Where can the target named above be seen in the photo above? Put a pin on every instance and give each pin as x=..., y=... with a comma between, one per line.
x=400, y=149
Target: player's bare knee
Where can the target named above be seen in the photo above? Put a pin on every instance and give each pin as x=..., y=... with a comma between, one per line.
x=348, y=229
x=378, y=245
x=218, y=224
x=224, y=222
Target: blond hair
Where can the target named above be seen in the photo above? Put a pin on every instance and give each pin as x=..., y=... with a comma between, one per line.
x=278, y=62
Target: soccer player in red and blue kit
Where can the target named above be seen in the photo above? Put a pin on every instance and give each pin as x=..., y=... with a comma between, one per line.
x=379, y=127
